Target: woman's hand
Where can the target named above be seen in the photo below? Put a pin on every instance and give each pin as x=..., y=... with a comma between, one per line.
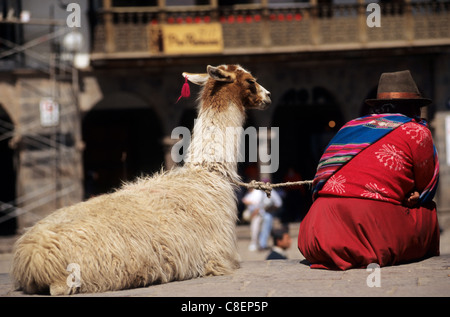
x=413, y=199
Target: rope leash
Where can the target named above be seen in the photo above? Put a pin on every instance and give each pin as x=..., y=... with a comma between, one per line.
x=268, y=187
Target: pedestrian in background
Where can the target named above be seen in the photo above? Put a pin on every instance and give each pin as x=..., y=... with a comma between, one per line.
x=281, y=242
x=261, y=209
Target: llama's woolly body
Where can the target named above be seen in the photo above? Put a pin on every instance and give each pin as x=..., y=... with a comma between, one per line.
x=175, y=225
x=147, y=232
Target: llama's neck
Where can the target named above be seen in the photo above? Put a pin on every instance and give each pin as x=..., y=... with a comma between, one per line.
x=216, y=141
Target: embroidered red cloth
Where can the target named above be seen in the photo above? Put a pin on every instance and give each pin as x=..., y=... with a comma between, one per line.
x=359, y=218
x=389, y=169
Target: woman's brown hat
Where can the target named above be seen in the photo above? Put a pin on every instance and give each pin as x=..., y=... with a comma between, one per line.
x=398, y=87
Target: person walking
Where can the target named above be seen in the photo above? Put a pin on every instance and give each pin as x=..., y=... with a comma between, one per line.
x=261, y=209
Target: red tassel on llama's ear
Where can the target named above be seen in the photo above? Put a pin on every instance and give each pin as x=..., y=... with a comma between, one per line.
x=185, y=91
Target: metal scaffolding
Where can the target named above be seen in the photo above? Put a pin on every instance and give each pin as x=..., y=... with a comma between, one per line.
x=52, y=153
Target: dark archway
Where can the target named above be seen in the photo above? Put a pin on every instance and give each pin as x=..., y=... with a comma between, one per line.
x=8, y=226
x=365, y=108
x=188, y=118
x=121, y=144
x=307, y=121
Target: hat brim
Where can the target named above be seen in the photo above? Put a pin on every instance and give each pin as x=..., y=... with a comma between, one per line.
x=421, y=102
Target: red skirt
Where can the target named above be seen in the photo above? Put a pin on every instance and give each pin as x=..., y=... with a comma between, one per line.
x=344, y=233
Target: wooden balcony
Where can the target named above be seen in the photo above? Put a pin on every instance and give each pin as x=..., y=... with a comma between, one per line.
x=137, y=32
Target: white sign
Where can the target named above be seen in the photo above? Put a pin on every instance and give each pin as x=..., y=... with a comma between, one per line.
x=49, y=112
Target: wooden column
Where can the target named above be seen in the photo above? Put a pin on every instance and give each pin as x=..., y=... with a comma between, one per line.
x=110, y=45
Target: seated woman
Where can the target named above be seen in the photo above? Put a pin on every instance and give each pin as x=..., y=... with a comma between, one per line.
x=374, y=186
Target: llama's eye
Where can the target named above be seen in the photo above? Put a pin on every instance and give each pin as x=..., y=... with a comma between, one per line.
x=251, y=81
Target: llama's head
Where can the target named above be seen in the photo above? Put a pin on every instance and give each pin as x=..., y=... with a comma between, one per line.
x=226, y=83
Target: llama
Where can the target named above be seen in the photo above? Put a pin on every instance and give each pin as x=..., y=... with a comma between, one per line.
x=175, y=225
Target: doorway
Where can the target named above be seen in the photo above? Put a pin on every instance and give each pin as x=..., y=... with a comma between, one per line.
x=307, y=120
x=8, y=226
x=121, y=144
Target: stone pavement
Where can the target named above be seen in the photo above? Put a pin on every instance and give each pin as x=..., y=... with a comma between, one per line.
x=293, y=278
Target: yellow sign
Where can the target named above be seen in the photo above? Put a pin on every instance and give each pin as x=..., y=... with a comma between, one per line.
x=192, y=38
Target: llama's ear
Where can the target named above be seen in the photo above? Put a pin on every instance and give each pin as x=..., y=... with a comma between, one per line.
x=220, y=75
x=198, y=79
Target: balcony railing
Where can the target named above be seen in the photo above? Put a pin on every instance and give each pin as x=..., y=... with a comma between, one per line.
x=136, y=32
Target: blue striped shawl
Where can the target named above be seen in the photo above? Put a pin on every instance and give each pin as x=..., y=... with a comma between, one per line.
x=357, y=135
